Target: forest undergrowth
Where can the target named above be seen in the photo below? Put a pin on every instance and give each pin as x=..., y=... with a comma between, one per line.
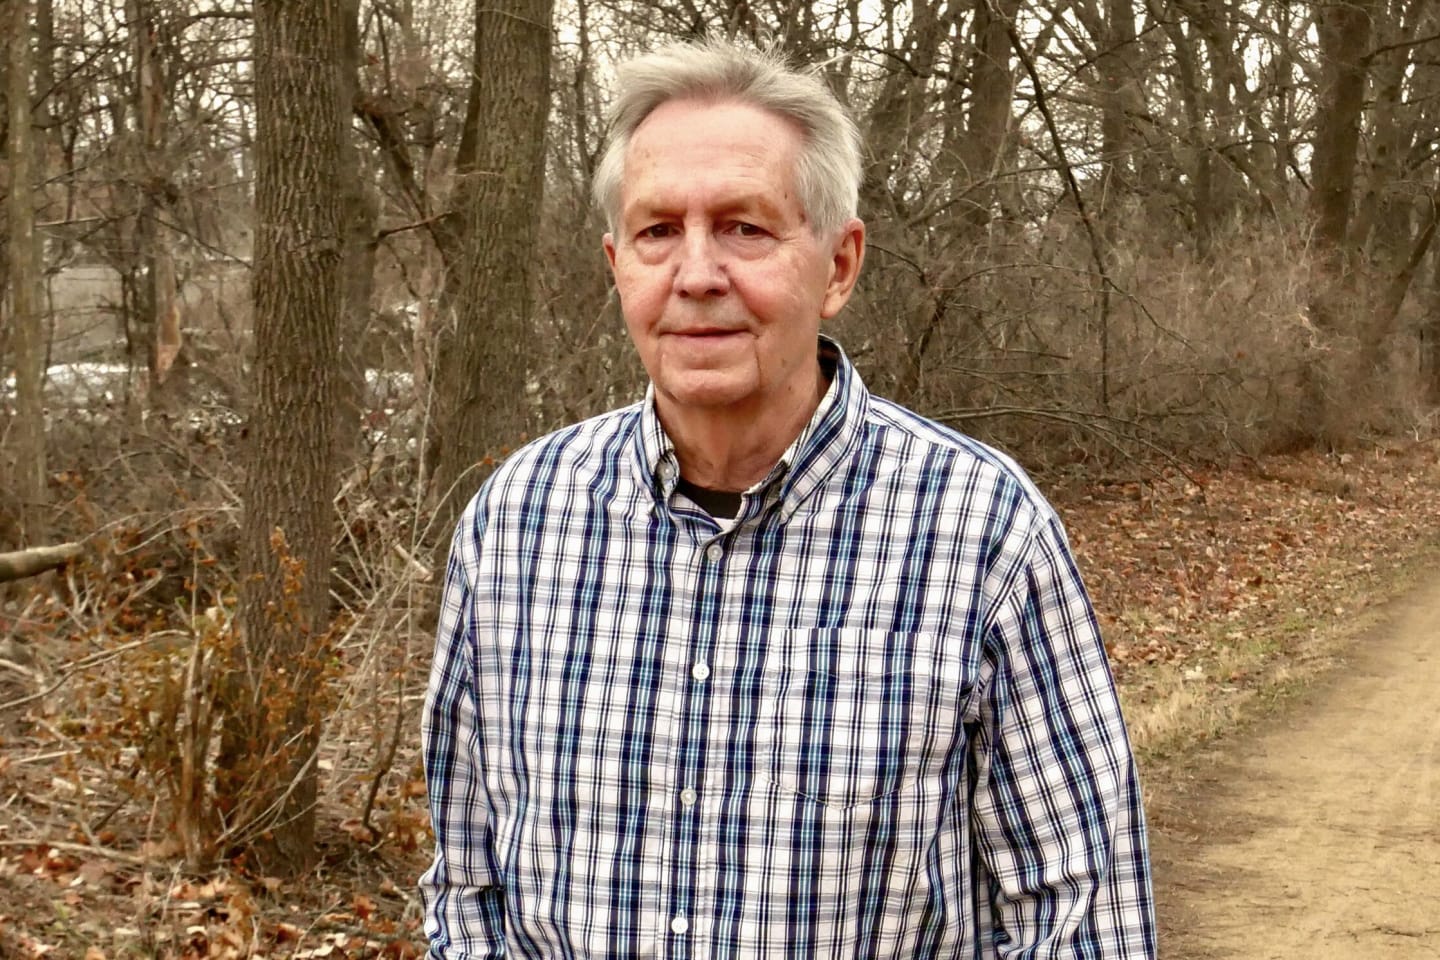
x=1216, y=587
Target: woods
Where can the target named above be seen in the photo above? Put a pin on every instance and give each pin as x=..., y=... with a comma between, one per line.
x=284, y=280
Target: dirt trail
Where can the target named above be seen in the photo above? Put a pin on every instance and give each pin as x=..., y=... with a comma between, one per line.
x=1318, y=835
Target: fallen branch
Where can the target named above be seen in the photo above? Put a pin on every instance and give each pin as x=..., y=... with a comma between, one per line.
x=66, y=847
x=28, y=563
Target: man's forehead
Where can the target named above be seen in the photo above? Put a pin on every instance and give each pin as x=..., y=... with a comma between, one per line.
x=718, y=197
x=713, y=116
x=651, y=191
x=700, y=140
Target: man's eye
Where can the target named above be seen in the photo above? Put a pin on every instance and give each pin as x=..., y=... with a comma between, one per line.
x=656, y=231
x=748, y=230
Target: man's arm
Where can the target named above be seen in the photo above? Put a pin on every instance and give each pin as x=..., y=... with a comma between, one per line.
x=462, y=892
x=1057, y=813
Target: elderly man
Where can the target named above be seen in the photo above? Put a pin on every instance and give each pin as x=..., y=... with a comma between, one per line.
x=764, y=666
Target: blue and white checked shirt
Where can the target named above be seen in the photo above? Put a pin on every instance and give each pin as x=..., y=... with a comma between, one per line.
x=874, y=719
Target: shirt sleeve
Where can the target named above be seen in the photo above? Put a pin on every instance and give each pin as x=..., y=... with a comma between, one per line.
x=1057, y=809
x=462, y=892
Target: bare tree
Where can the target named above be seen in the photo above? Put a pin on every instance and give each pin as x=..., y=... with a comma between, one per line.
x=27, y=446
x=1344, y=28
x=500, y=185
x=274, y=696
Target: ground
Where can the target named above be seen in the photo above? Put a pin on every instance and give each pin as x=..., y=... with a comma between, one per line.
x=1317, y=833
x=1281, y=697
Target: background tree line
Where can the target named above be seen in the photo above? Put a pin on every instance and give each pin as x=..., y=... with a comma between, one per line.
x=349, y=262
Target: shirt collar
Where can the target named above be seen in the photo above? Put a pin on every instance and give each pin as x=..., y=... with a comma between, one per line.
x=822, y=445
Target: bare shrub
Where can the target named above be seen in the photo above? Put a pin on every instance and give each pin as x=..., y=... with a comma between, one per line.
x=1017, y=341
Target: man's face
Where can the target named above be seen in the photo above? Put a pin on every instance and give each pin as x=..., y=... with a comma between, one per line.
x=722, y=282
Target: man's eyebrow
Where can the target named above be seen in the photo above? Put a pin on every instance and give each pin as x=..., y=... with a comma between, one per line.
x=763, y=202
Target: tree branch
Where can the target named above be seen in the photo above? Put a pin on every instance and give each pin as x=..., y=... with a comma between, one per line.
x=1096, y=252
x=28, y=563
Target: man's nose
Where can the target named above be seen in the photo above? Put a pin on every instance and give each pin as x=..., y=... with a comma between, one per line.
x=701, y=270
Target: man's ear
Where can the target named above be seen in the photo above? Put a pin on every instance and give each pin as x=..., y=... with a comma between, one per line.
x=847, y=257
x=609, y=242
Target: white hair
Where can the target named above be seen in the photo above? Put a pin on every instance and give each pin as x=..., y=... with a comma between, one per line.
x=828, y=170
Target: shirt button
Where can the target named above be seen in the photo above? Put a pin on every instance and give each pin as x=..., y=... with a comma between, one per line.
x=687, y=797
x=700, y=672
x=679, y=925
x=714, y=552
x=666, y=471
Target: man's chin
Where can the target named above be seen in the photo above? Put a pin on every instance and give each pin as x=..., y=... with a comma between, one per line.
x=709, y=390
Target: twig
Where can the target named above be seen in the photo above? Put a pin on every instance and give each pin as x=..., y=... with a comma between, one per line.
x=85, y=663
x=415, y=225
x=113, y=809
x=68, y=847
x=417, y=569
x=387, y=762
x=40, y=757
x=1087, y=421
x=1096, y=251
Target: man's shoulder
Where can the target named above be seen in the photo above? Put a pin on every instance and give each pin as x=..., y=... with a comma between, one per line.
x=564, y=457
x=966, y=459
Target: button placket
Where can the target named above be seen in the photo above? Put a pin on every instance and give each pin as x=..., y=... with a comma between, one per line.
x=692, y=840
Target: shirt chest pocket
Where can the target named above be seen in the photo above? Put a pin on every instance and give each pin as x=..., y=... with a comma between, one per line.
x=849, y=716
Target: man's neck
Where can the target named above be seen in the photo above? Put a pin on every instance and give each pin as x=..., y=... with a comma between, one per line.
x=726, y=449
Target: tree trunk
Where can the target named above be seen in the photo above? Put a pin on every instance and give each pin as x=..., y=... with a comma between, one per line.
x=43, y=69
x=1118, y=86
x=1196, y=136
x=1430, y=336
x=359, y=215
x=992, y=81
x=1384, y=321
x=27, y=436
x=1344, y=28
x=158, y=308
x=274, y=694
x=481, y=375
x=1384, y=220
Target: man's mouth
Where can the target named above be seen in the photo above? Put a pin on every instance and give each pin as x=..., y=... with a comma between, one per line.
x=715, y=332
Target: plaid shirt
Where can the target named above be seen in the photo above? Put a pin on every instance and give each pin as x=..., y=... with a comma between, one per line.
x=874, y=719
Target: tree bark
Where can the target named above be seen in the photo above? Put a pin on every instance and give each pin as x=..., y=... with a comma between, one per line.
x=274, y=694
x=27, y=563
x=1344, y=27
x=359, y=216
x=156, y=306
x=1384, y=218
x=481, y=376
x=992, y=81
x=27, y=438
x=1118, y=86
x=1430, y=336
x=1384, y=321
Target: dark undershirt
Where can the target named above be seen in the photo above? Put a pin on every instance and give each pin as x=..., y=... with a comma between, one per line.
x=720, y=504
x=723, y=504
